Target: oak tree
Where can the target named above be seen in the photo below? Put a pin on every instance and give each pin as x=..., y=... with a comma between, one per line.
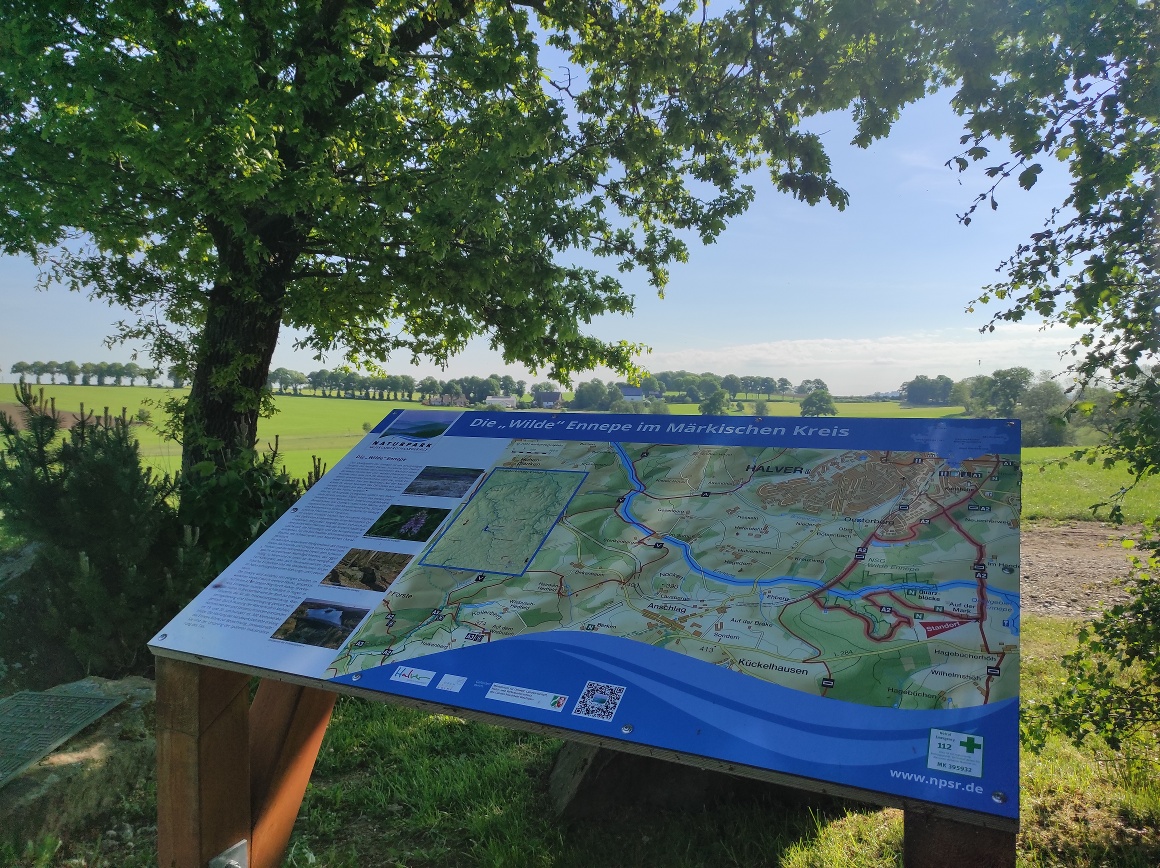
x=818, y=403
x=394, y=179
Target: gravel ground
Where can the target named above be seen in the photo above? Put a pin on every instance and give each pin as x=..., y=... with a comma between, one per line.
x=1070, y=569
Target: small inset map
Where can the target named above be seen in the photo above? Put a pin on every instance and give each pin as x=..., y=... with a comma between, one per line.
x=411, y=523
x=503, y=526
x=443, y=482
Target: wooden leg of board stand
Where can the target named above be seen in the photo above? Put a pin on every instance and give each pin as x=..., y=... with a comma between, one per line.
x=931, y=842
x=287, y=723
x=203, y=772
x=228, y=771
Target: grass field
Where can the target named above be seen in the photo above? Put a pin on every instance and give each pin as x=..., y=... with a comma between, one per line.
x=397, y=787
x=1069, y=492
x=305, y=425
x=329, y=427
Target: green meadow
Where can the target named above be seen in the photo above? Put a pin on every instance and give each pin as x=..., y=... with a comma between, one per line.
x=306, y=426
x=1057, y=487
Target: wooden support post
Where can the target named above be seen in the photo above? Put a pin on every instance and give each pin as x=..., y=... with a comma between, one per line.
x=932, y=842
x=286, y=729
x=203, y=771
x=228, y=771
x=587, y=782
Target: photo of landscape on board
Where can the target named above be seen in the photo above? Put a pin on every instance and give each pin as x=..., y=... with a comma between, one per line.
x=834, y=599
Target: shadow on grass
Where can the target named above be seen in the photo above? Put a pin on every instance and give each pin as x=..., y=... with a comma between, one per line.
x=398, y=787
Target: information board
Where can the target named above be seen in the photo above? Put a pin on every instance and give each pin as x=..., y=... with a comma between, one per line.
x=835, y=599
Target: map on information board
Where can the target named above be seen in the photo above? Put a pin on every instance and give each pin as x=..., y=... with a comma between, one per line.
x=833, y=599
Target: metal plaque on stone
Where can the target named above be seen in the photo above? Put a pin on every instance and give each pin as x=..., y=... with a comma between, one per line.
x=32, y=725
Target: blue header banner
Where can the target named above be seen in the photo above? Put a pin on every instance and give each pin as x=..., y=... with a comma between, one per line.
x=951, y=438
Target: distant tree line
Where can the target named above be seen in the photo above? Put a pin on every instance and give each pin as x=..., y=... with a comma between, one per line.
x=713, y=393
x=696, y=387
x=94, y=373
x=341, y=383
x=1050, y=416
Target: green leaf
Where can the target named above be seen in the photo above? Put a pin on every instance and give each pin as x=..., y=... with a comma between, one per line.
x=1029, y=176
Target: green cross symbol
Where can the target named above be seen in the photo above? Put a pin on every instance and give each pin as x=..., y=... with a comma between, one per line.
x=970, y=744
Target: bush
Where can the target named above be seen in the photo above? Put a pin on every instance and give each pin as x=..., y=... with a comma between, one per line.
x=229, y=505
x=121, y=548
x=1112, y=685
x=114, y=560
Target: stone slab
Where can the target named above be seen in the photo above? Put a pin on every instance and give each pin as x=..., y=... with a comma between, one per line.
x=32, y=725
x=84, y=779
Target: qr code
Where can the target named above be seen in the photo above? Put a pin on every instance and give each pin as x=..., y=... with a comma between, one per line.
x=598, y=700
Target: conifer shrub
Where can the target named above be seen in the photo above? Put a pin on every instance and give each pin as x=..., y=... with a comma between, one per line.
x=122, y=548
x=113, y=559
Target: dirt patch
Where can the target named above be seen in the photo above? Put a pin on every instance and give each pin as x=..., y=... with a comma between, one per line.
x=1070, y=569
x=68, y=418
x=16, y=413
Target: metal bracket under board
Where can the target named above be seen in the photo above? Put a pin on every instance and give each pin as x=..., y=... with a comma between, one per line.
x=237, y=856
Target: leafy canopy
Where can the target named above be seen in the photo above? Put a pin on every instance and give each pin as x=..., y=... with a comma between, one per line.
x=819, y=402
x=400, y=177
x=1079, y=83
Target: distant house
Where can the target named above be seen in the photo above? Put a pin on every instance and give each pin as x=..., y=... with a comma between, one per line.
x=446, y=401
x=631, y=393
x=501, y=401
x=548, y=400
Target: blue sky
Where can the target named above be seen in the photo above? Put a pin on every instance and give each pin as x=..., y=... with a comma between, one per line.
x=864, y=299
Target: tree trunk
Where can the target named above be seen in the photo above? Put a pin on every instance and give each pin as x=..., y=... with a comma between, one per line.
x=232, y=364
x=243, y=316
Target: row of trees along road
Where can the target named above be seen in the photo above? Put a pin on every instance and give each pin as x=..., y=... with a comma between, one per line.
x=91, y=373
x=337, y=383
